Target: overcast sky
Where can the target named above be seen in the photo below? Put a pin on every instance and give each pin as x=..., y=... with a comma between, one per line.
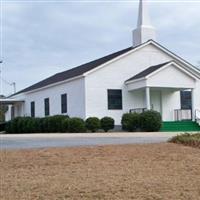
x=43, y=38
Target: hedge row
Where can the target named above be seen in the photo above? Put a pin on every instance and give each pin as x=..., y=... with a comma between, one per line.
x=149, y=121
x=58, y=123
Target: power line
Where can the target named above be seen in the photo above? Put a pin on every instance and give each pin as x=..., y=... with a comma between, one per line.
x=10, y=84
x=5, y=81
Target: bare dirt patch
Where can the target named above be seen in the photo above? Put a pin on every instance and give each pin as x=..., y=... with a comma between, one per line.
x=150, y=172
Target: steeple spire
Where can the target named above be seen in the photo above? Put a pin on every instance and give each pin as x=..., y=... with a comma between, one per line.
x=144, y=31
x=143, y=15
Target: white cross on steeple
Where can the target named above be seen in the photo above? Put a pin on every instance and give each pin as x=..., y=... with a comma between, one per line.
x=144, y=31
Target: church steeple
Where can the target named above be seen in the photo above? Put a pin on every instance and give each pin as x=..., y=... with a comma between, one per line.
x=144, y=31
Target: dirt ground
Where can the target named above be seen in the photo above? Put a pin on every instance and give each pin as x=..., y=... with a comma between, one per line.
x=143, y=172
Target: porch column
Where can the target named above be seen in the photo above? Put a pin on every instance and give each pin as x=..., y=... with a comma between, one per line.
x=9, y=115
x=193, y=109
x=147, y=91
x=22, y=110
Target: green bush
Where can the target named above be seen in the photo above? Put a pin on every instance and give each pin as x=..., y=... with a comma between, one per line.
x=54, y=123
x=150, y=121
x=33, y=125
x=107, y=123
x=130, y=121
x=28, y=125
x=76, y=125
x=65, y=125
x=8, y=127
x=21, y=125
x=2, y=126
x=14, y=125
x=36, y=125
x=92, y=124
x=44, y=125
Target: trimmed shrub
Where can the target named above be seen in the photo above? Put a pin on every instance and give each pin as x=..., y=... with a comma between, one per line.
x=65, y=125
x=92, y=124
x=21, y=125
x=151, y=121
x=54, y=123
x=36, y=125
x=107, y=123
x=8, y=127
x=130, y=121
x=33, y=125
x=2, y=126
x=76, y=125
x=28, y=125
x=13, y=126
x=44, y=125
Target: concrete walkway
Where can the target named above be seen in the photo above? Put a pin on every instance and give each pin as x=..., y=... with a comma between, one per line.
x=25, y=141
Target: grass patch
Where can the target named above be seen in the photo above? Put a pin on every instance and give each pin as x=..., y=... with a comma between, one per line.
x=188, y=139
x=142, y=172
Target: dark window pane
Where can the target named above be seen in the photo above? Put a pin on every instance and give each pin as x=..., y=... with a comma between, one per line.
x=32, y=109
x=114, y=99
x=46, y=106
x=64, y=103
x=186, y=100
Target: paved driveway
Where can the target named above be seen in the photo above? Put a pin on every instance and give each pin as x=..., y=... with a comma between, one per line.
x=25, y=141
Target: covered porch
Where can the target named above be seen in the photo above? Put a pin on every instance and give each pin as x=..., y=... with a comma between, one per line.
x=15, y=108
x=160, y=89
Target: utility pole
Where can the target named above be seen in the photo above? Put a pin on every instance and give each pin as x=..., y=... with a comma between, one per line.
x=3, y=80
x=1, y=61
x=14, y=87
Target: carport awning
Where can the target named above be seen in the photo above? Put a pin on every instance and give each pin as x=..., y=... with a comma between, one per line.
x=10, y=101
x=166, y=75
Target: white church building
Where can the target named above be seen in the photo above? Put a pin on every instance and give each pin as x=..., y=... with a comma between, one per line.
x=141, y=77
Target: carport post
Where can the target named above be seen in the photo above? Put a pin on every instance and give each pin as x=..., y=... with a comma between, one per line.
x=147, y=91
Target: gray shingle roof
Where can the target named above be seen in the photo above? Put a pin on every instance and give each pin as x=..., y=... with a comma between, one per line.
x=77, y=71
x=80, y=70
x=147, y=71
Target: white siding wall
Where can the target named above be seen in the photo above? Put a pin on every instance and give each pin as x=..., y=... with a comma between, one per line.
x=8, y=114
x=75, y=99
x=171, y=77
x=18, y=108
x=170, y=101
x=197, y=96
x=113, y=76
x=88, y=96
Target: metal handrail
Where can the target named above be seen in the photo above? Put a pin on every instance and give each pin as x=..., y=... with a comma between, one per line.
x=182, y=114
x=197, y=117
x=138, y=110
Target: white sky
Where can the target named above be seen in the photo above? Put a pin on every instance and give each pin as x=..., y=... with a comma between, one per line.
x=41, y=38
